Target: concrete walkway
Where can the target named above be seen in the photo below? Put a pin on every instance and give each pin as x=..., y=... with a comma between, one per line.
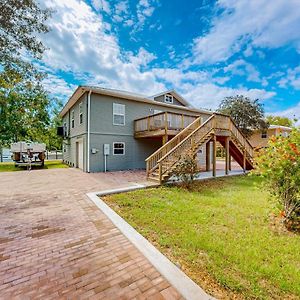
x=56, y=244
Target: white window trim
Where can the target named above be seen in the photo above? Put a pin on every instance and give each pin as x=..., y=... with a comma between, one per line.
x=114, y=148
x=119, y=115
x=169, y=95
x=80, y=113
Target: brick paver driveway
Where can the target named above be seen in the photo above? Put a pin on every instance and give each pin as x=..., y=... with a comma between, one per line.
x=55, y=243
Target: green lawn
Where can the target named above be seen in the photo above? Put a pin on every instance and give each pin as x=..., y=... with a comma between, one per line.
x=223, y=235
x=51, y=164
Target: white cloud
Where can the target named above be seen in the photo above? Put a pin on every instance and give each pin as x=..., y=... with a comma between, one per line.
x=209, y=95
x=101, y=5
x=292, y=113
x=202, y=89
x=79, y=44
x=242, y=68
x=259, y=22
x=58, y=87
x=145, y=9
x=291, y=78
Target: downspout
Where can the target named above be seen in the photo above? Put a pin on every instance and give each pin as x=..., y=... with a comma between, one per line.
x=88, y=131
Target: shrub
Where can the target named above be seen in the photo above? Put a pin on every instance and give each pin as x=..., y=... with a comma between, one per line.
x=279, y=163
x=186, y=170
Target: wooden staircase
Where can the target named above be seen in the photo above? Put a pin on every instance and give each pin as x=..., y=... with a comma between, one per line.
x=161, y=164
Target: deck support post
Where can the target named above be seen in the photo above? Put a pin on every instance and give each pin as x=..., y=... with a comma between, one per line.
x=227, y=155
x=244, y=161
x=207, y=146
x=229, y=165
x=214, y=155
x=164, y=139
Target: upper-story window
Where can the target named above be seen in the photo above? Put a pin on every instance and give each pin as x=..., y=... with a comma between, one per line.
x=168, y=98
x=118, y=114
x=80, y=113
x=264, y=135
x=72, y=118
x=65, y=129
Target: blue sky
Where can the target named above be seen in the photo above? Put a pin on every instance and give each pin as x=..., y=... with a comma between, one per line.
x=206, y=50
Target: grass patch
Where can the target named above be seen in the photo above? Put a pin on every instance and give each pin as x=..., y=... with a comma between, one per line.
x=51, y=164
x=220, y=233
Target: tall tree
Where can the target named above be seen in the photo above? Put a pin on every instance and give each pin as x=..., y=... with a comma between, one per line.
x=20, y=22
x=24, y=104
x=247, y=114
x=282, y=121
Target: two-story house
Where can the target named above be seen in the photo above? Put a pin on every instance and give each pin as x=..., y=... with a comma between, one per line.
x=109, y=130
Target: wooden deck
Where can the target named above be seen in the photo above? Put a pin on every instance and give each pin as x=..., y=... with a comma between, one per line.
x=164, y=124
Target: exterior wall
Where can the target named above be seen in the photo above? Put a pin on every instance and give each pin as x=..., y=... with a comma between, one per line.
x=162, y=99
x=78, y=133
x=136, y=151
x=258, y=142
x=104, y=132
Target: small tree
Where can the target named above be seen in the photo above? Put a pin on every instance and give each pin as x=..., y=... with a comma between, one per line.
x=186, y=170
x=247, y=114
x=279, y=164
x=281, y=121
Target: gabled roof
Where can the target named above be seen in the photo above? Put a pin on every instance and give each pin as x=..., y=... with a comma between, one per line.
x=175, y=95
x=129, y=96
x=280, y=127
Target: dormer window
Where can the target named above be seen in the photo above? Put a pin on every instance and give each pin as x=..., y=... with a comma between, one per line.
x=168, y=98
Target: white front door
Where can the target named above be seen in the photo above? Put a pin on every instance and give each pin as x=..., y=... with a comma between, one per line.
x=80, y=155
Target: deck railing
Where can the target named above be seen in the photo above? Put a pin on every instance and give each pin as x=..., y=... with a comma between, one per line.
x=190, y=138
x=151, y=161
x=163, y=120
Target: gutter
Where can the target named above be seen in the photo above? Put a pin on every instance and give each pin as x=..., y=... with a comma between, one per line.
x=88, y=130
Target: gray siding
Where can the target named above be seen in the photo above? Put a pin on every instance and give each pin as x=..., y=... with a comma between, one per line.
x=162, y=99
x=136, y=151
x=77, y=133
x=102, y=131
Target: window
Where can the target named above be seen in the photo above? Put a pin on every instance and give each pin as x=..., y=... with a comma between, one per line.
x=264, y=135
x=119, y=148
x=73, y=119
x=118, y=114
x=285, y=134
x=80, y=113
x=168, y=98
x=65, y=129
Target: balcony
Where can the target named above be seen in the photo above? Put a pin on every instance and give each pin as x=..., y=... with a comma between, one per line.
x=163, y=124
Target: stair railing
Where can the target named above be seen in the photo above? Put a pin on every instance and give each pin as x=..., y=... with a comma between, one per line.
x=151, y=161
x=188, y=144
x=242, y=140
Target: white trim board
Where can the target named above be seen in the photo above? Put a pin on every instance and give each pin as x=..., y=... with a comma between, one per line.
x=179, y=280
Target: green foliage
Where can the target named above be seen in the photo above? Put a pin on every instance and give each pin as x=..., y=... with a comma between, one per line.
x=281, y=121
x=247, y=114
x=279, y=163
x=23, y=108
x=186, y=170
x=20, y=22
x=26, y=111
x=50, y=164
